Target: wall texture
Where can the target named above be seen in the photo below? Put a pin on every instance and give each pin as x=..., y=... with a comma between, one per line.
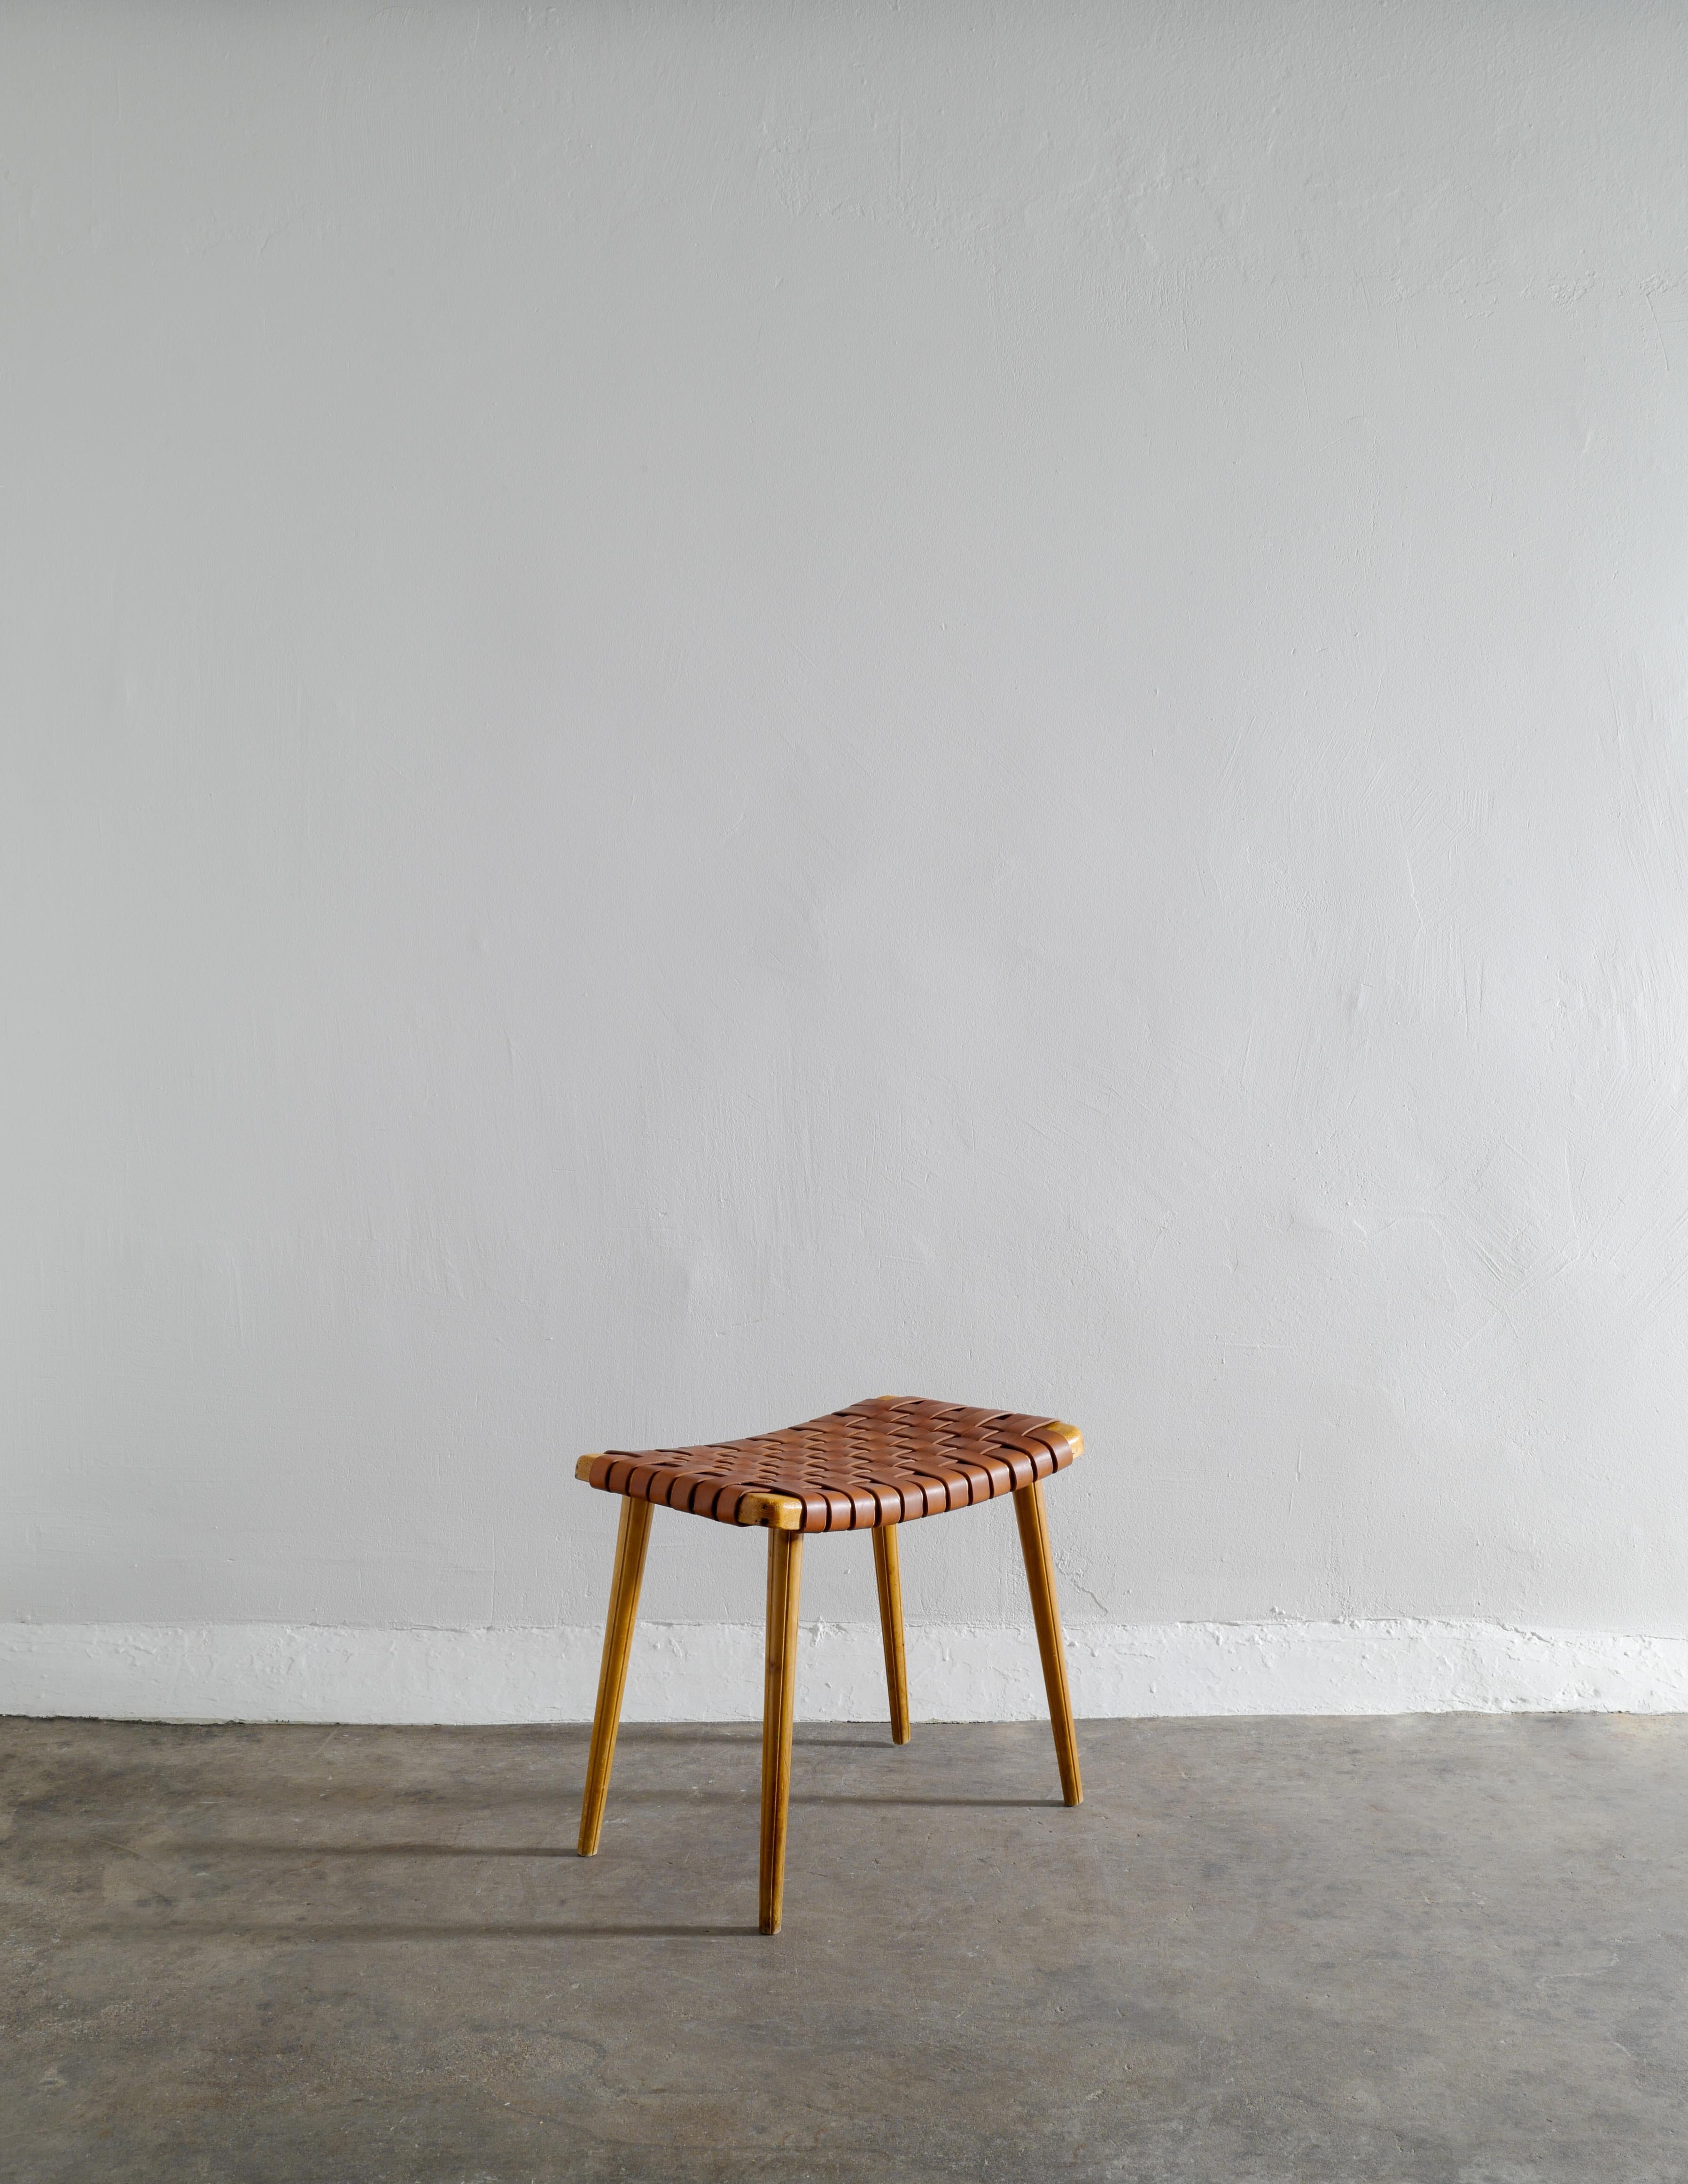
x=708, y=710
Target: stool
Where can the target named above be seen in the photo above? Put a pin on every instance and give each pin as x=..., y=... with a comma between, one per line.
x=869, y=1468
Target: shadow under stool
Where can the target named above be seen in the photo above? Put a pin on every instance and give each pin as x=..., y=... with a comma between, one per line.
x=870, y=1468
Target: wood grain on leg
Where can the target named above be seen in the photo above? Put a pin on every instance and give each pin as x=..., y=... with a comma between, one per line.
x=784, y=1581
x=1040, y=1577
x=630, y=1540
x=888, y=1576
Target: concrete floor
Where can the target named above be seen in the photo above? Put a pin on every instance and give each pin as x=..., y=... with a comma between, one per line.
x=1449, y=1950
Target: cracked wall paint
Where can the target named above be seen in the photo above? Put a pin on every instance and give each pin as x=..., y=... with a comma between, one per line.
x=713, y=1671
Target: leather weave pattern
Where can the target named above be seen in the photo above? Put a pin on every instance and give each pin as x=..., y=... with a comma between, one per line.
x=881, y=1461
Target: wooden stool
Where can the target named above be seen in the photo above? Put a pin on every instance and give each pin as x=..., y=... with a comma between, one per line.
x=871, y=1467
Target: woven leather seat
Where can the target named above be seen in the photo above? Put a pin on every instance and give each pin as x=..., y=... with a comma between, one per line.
x=873, y=1467
x=883, y=1461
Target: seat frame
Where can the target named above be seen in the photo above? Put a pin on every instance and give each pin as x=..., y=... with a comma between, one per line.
x=782, y=1516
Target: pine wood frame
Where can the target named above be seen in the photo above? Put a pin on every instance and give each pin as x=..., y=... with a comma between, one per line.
x=782, y=1516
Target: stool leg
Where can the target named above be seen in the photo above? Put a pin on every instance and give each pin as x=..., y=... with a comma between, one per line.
x=1040, y=1578
x=635, y=1530
x=784, y=1581
x=888, y=1576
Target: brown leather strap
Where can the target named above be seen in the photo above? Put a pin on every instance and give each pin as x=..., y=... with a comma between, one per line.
x=886, y=1461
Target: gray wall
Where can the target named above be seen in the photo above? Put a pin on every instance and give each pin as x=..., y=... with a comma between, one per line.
x=708, y=710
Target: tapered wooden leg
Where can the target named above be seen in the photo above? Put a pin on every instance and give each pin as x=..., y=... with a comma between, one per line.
x=784, y=1581
x=1040, y=1577
x=635, y=1530
x=888, y=1576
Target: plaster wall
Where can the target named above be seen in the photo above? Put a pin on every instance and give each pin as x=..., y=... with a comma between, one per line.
x=708, y=710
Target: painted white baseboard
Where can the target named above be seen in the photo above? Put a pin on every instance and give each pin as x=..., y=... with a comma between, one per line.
x=712, y=1672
